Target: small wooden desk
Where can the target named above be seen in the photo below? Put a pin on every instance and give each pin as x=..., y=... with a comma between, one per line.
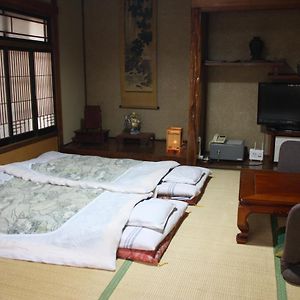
x=265, y=192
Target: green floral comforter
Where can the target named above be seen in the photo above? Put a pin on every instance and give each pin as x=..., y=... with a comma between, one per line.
x=28, y=207
x=88, y=168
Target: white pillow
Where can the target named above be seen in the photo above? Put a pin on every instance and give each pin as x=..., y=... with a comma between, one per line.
x=153, y=213
x=175, y=189
x=186, y=174
x=147, y=239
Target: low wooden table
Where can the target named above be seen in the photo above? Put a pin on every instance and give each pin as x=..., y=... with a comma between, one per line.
x=143, y=138
x=265, y=192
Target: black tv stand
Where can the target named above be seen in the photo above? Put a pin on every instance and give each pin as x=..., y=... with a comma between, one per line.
x=284, y=129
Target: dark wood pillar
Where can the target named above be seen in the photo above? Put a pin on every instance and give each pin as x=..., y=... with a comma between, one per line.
x=196, y=126
x=56, y=70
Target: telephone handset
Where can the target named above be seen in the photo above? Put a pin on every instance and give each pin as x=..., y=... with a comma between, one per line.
x=220, y=139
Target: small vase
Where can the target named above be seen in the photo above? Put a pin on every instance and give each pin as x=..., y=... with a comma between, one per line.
x=256, y=46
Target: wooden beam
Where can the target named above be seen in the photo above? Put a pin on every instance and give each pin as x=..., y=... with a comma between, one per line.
x=225, y=5
x=195, y=72
x=56, y=72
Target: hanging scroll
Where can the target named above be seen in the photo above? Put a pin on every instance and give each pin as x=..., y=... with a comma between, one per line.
x=138, y=54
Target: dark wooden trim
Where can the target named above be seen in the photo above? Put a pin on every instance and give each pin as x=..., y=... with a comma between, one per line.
x=56, y=74
x=24, y=44
x=146, y=107
x=203, y=80
x=31, y=7
x=196, y=55
x=234, y=5
x=84, y=50
x=33, y=93
x=10, y=147
x=7, y=91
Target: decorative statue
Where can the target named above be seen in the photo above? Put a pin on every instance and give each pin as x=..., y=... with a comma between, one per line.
x=256, y=46
x=133, y=123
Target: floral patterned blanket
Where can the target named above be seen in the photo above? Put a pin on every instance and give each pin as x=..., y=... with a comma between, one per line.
x=62, y=225
x=116, y=175
x=84, y=167
x=27, y=207
x=71, y=209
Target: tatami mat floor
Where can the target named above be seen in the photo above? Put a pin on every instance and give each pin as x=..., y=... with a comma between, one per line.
x=202, y=262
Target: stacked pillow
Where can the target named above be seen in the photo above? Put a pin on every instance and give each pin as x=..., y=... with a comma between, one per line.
x=153, y=214
x=183, y=183
x=150, y=222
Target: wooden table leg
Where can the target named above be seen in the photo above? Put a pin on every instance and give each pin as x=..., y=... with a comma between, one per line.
x=242, y=223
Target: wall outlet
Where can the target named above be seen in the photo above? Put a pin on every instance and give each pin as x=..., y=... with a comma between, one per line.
x=256, y=154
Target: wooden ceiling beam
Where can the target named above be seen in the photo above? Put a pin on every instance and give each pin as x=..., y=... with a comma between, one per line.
x=234, y=5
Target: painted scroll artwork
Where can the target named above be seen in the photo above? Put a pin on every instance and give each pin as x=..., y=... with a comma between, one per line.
x=138, y=31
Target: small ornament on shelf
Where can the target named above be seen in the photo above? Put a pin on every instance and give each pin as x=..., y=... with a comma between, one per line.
x=132, y=123
x=256, y=46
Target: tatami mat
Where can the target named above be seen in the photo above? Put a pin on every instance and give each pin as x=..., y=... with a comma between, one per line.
x=203, y=261
x=20, y=280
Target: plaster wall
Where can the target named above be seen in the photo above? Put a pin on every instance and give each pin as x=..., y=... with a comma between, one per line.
x=71, y=66
x=103, y=65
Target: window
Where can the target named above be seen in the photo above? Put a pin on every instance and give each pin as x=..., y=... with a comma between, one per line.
x=18, y=26
x=27, y=107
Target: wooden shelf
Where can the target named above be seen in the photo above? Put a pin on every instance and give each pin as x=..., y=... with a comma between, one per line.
x=245, y=63
x=266, y=164
x=154, y=151
x=289, y=77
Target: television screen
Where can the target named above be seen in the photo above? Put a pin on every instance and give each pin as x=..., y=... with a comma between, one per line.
x=279, y=105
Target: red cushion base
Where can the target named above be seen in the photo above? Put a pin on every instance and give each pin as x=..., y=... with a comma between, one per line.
x=150, y=257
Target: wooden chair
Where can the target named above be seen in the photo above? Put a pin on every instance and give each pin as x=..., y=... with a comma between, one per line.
x=290, y=260
x=289, y=157
x=91, y=131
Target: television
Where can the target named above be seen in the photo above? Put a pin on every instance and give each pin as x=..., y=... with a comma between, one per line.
x=279, y=105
